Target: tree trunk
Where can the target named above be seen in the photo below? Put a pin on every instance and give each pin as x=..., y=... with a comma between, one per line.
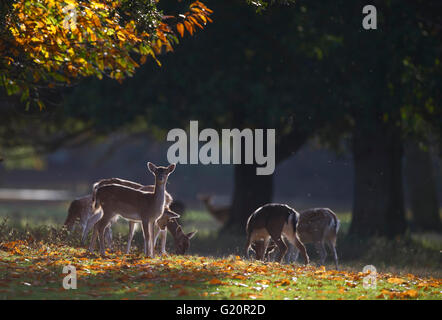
x=421, y=188
x=378, y=207
x=249, y=193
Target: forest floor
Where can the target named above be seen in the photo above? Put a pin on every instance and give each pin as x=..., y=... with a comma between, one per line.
x=36, y=272
x=34, y=249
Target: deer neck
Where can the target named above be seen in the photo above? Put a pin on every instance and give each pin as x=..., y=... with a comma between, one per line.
x=172, y=225
x=159, y=194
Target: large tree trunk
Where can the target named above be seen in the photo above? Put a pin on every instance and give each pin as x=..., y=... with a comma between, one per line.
x=378, y=207
x=249, y=193
x=421, y=188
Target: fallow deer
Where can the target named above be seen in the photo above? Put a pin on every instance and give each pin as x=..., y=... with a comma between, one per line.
x=93, y=218
x=319, y=226
x=277, y=222
x=133, y=205
x=221, y=213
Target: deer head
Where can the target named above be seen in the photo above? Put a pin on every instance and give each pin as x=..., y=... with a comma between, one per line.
x=161, y=173
x=182, y=240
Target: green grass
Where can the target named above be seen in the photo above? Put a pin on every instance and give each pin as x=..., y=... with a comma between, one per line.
x=189, y=277
x=30, y=271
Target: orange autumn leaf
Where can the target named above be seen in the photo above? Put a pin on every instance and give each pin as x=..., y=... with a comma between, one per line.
x=180, y=29
x=410, y=293
x=395, y=280
x=216, y=281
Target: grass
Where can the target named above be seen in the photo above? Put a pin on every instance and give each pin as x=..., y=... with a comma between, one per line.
x=33, y=250
x=34, y=271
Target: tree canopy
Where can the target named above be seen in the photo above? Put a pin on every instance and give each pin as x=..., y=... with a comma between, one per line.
x=50, y=43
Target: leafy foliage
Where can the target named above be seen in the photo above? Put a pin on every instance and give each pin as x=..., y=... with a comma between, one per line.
x=48, y=43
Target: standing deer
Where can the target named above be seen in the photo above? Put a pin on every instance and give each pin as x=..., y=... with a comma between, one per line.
x=277, y=222
x=81, y=208
x=93, y=218
x=221, y=214
x=133, y=205
x=319, y=226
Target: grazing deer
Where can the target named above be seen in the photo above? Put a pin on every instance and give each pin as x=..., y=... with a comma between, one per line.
x=81, y=209
x=319, y=226
x=133, y=205
x=277, y=222
x=221, y=214
x=182, y=240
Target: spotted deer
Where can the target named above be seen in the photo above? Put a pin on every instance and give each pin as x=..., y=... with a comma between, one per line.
x=133, y=205
x=93, y=218
x=221, y=214
x=277, y=222
x=319, y=226
x=81, y=208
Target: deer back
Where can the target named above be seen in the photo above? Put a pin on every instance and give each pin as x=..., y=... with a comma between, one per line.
x=317, y=224
x=129, y=203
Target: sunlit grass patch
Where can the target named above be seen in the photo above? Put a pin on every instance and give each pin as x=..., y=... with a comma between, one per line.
x=35, y=271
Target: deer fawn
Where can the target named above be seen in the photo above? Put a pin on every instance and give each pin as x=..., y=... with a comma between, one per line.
x=133, y=205
x=221, y=214
x=277, y=222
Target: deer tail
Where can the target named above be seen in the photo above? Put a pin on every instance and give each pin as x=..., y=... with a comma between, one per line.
x=334, y=223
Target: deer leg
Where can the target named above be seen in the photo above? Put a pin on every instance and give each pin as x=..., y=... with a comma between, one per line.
x=295, y=254
x=90, y=224
x=145, y=236
x=248, y=244
x=93, y=239
x=148, y=238
x=300, y=246
x=321, y=251
x=108, y=237
x=290, y=252
x=132, y=226
x=150, y=227
x=282, y=248
x=163, y=238
x=101, y=226
x=332, y=246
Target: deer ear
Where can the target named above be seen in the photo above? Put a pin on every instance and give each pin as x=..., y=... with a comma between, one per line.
x=171, y=168
x=191, y=234
x=152, y=168
x=179, y=230
x=171, y=215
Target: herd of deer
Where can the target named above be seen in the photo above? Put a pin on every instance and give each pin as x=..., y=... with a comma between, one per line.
x=269, y=227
